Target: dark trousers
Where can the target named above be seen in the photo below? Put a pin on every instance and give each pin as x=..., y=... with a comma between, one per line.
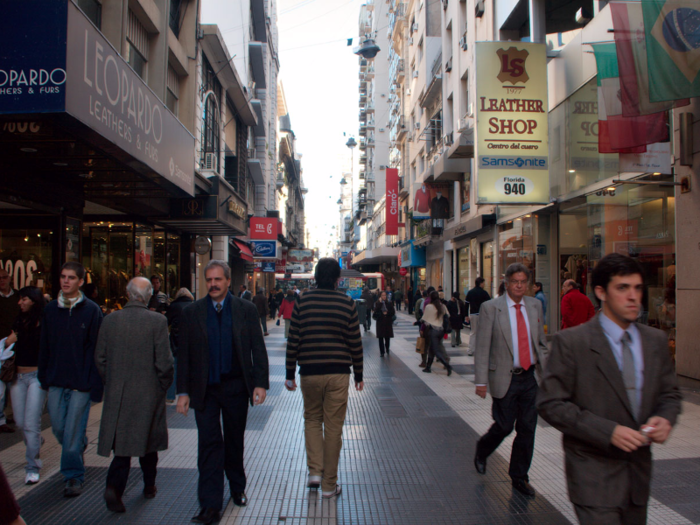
x=630, y=515
x=219, y=453
x=384, y=343
x=517, y=408
x=410, y=306
x=118, y=473
x=398, y=306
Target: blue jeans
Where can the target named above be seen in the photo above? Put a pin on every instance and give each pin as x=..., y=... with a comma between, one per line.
x=69, y=410
x=27, y=404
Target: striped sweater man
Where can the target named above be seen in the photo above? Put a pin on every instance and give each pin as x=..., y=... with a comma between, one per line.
x=324, y=339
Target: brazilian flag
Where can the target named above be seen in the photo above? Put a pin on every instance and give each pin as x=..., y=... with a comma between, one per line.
x=672, y=30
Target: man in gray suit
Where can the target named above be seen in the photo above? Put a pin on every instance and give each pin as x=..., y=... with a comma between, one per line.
x=610, y=388
x=134, y=360
x=510, y=345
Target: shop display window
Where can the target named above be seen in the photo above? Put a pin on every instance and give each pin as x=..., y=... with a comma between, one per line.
x=26, y=255
x=463, y=283
x=491, y=284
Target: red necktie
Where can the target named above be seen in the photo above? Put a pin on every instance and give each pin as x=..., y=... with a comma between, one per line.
x=523, y=342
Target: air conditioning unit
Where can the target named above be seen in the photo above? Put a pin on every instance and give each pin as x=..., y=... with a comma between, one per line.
x=462, y=124
x=251, y=153
x=414, y=28
x=410, y=41
x=417, y=125
x=410, y=138
x=463, y=43
x=470, y=113
x=415, y=74
x=479, y=9
x=209, y=161
x=408, y=92
x=448, y=65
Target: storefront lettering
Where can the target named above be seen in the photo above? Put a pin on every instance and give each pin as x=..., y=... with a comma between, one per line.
x=20, y=272
x=512, y=105
x=21, y=127
x=108, y=77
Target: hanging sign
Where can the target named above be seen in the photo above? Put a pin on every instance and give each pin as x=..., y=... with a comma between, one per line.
x=511, y=118
x=392, y=201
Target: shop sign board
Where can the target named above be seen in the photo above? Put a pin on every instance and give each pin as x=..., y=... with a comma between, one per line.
x=657, y=159
x=33, y=57
x=103, y=92
x=403, y=272
x=512, y=123
x=264, y=249
x=300, y=256
x=412, y=256
x=268, y=266
x=263, y=228
x=392, y=201
x=431, y=201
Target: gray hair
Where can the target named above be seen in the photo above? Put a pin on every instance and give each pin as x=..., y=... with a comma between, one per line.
x=139, y=289
x=517, y=268
x=184, y=292
x=221, y=264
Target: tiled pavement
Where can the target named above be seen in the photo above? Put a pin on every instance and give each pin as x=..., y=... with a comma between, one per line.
x=407, y=459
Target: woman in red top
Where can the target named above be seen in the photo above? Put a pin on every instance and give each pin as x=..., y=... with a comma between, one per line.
x=286, y=309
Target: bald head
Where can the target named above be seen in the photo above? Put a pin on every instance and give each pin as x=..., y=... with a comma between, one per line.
x=568, y=285
x=139, y=289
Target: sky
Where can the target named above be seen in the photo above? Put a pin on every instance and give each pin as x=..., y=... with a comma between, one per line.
x=320, y=77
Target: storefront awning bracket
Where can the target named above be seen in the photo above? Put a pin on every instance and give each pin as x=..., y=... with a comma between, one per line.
x=683, y=183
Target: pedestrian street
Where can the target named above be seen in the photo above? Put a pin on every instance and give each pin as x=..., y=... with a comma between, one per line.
x=407, y=458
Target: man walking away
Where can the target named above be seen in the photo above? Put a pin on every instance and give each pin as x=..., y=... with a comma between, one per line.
x=369, y=298
x=475, y=298
x=610, y=388
x=279, y=297
x=183, y=298
x=222, y=365
x=67, y=369
x=260, y=302
x=510, y=344
x=576, y=308
x=134, y=360
x=398, y=299
x=325, y=340
x=9, y=310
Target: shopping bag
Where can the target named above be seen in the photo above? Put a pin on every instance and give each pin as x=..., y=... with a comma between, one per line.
x=278, y=322
x=420, y=345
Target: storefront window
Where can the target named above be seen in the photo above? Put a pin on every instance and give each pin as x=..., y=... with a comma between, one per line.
x=633, y=220
x=143, y=252
x=26, y=256
x=516, y=244
x=487, y=268
x=435, y=273
x=172, y=272
x=463, y=276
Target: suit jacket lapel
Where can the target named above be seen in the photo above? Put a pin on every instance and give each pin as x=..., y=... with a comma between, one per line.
x=237, y=316
x=504, y=322
x=202, y=319
x=649, y=369
x=533, y=319
x=607, y=363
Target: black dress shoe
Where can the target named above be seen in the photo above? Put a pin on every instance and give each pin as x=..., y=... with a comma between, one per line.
x=150, y=492
x=114, y=500
x=207, y=516
x=480, y=464
x=239, y=498
x=523, y=487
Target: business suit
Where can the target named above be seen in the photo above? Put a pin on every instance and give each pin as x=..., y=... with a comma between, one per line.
x=513, y=394
x=230, y=397
x=583, y=395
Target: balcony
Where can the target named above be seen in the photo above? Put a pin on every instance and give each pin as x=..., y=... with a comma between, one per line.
x=362, y=174
x=370, y=143
x=397, y=21
x=463, y=147
x=370, y=125
x=363, y=64
x=363, y=98
x=401, y=128
x=369, y=74
x=403, y=188
x=370, y=107
x=363, y=130
x=363, y=158
x=447, y=168
x=435, y=85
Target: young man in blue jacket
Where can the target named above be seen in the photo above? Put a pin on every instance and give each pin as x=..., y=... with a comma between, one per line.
x=67, y=370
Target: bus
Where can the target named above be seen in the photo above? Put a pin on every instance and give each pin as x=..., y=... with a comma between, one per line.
x=352, y=286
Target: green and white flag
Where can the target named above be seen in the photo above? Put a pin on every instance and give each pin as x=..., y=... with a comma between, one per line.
x=672, y=30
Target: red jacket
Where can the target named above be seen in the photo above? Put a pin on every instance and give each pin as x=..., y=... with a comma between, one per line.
x=286, y=308
x=576, y=309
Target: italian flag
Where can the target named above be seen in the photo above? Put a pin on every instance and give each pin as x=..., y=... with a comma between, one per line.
x=617, y=133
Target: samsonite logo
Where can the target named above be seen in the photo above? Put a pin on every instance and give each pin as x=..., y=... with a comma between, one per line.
x=525, y=163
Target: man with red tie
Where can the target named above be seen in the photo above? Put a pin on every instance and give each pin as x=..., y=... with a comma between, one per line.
x=510, y=350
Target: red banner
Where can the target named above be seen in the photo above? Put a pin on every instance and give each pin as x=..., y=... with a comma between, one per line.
x=392, y=201
x=263, y=228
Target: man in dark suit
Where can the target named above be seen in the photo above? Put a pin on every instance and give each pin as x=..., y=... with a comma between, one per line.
x=510, y=346
x=222, y=365
x=606, y=382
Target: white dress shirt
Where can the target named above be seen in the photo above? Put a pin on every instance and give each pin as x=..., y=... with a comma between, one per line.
x=513, y=314
x=613, y=332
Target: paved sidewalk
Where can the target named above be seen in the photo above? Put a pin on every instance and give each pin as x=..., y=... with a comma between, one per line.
x=407, y=459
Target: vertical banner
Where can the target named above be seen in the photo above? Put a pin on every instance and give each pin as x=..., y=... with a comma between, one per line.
x=511, y=123
x=392, y=201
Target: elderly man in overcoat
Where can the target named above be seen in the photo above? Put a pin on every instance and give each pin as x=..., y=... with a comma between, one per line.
x=134, y=360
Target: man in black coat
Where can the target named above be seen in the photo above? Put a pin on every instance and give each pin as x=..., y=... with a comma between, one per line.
x=222, y=365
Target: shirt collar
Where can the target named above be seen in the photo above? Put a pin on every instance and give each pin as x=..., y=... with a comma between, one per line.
x=222, y=303
x=614, y=331
x=512, y=303
x=12, y=292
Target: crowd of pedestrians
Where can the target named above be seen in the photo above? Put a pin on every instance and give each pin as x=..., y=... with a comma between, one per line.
x=607, y=382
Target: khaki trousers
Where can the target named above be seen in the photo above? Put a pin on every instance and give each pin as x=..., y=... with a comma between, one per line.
x=325, y=404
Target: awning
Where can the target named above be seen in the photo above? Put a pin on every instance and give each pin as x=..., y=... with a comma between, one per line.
x=244, y=251
x=385, y=254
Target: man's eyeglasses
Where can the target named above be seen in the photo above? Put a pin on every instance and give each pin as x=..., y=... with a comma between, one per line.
x=518, y=283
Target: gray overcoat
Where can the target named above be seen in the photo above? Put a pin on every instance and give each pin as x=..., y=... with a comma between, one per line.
x=134, y=360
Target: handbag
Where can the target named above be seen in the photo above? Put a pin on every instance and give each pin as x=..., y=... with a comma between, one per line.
x=446, y=324
x=420, y=345
x=8, y=370
x=278, y=322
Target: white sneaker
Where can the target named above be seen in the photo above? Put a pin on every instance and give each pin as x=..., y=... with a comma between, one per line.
x=333, y=493
x=313, y=482
x=32, y=478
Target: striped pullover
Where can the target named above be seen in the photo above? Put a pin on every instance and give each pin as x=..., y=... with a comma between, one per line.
x=324, y=335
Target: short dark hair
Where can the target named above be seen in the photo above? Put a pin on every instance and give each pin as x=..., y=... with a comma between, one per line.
x=539, y=285
x=612, y=265
x=76, y=267
x=455, y=294
x=244, y=287
x=327, y=273
x=155, y=276
x=517, y=268
x=479, y=280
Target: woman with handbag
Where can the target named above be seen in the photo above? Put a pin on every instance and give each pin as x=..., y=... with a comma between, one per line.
x=437, y=320
x=384, y=314
x=455, y=307
x=27, y=395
